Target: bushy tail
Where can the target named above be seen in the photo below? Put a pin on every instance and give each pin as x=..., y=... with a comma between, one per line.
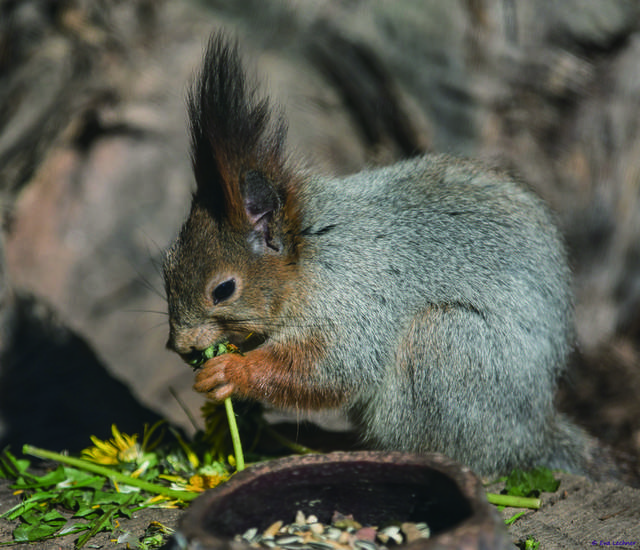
x=575, y=451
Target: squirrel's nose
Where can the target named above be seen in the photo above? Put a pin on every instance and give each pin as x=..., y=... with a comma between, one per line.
x=182, y=347
x=172, y=344
x=191, y=356
x=190, y=340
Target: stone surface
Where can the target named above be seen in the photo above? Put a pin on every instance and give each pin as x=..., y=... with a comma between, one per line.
x=580, y=513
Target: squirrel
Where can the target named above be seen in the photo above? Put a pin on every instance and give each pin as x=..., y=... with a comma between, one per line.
x=429, y=299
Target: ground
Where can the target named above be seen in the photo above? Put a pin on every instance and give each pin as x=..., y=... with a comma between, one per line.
x=580, y=513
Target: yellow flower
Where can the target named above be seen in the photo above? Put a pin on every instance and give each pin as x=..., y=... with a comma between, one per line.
x=201, y=482
x=161, y=501
x=122, y=448
x=197, y=483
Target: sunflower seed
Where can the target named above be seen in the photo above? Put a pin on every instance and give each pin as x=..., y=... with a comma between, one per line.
x=273, y=529
x=283, y=541
x=413, y=532
x=250, y=534
x=333, y=533
x=320, y=545
x=392, y=532
x=344, y=533
x=300, y=519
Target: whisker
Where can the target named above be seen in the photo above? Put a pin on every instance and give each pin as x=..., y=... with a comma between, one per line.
x=157, y=266
x=165, y=313
x=149, y=286
x=154, y=327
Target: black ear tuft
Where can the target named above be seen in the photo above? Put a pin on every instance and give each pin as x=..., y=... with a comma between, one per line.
x=232, y=132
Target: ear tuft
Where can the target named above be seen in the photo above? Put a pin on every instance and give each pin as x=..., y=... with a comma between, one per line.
x=233, y=132
x=243, y=177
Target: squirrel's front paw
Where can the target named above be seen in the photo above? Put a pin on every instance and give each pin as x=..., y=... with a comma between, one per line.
x=216, y=377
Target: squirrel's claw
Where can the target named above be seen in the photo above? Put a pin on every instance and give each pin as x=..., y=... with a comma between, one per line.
x=222, y=393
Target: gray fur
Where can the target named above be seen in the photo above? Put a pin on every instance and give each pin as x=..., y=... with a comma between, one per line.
x=447, y=289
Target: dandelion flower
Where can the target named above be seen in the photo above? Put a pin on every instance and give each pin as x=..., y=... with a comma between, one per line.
x=122, y=448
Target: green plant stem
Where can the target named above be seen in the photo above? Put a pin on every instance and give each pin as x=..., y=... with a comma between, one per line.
x=514, y=518
x=235, y=435
x=111, y=474
x=513, y=502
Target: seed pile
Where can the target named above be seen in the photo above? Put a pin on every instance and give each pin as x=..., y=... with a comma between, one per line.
x=344, y=533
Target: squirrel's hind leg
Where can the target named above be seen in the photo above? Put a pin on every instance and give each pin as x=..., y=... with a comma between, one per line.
x=461, y=386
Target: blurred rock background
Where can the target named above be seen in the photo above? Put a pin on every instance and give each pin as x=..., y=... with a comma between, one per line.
x=95, y=176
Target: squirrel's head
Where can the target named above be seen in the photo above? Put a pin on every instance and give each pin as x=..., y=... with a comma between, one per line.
x=227, y=274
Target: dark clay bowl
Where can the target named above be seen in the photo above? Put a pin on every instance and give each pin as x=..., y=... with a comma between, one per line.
x=376, y=487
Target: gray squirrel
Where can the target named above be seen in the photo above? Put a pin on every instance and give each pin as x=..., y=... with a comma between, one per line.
x=429, y=299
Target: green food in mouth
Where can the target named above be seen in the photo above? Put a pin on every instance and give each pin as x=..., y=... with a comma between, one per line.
x=212, y=351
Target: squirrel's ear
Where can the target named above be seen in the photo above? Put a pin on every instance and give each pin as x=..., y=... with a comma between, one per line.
x=261, y=204
x=259, y=196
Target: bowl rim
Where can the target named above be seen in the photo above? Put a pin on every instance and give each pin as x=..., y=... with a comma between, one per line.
x=483, y=524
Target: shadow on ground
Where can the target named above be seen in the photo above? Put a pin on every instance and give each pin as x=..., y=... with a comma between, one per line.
x=54, y=391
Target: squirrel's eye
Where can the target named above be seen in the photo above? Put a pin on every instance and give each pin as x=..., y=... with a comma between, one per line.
x=224, y=291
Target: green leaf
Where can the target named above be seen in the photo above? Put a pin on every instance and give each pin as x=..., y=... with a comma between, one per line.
x=79, y=478
x=20, y=509
x=51, y=478
x=39, y=526
x=528, y=544
x=73, y=527
x=54, y=516
x=124, y=511
x=31, y=533
x=87, y=513
x=75, y=499
x=531, y=483
x=103, y=523
x=11, y=467
x=101, y=498
x=155, y=536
